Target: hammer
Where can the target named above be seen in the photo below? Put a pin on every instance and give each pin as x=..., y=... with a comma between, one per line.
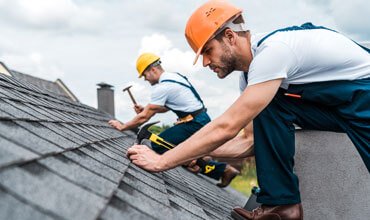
x=145, y=134
x=129, y=92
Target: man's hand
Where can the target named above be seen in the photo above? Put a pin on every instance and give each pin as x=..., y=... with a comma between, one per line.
x=138, y=108
x=193, y=167
x=142, y=156
x=116, y=124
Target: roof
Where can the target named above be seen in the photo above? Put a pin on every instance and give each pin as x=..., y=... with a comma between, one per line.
x=57, y=87
x=59, y=159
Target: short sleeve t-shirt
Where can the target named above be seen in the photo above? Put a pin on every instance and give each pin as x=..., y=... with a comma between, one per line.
x=174, y=95
x=306, y=56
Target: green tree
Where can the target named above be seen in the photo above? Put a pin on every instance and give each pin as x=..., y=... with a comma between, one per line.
x=158, y=129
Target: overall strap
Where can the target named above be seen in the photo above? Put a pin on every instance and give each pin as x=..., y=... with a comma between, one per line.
x=246, y=77
x=190, y=86
x=305, y=26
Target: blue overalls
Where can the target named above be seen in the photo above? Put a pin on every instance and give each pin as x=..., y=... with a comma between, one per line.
x=183, y=131
x=339, y=106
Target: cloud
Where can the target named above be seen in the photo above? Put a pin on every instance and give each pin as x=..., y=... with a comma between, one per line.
x=56, y=14
x=207, y=84
x=34, y=64
x=173, y=59
x=352, y=17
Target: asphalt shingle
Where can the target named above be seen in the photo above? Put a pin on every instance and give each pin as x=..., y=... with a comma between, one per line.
x=83, y=177
x=94, y=165
x=13, y=153
x=60, y=159
x=50, y=191
x=26, y=139
x=12, y=208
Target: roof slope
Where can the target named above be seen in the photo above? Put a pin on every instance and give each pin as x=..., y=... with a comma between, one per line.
x=59, y=159
x=56, y=88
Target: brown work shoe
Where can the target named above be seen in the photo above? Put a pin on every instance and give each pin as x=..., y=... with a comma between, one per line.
x=280, y=212
x=229, y=174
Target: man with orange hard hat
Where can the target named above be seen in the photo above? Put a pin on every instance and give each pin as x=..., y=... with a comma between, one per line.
x=173, y=91
x=307, y=75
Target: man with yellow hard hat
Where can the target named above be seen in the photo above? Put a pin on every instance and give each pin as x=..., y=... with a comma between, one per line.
x=307, y=75
x=173, y=91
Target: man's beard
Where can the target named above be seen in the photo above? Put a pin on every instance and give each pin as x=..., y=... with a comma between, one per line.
x=228, y=62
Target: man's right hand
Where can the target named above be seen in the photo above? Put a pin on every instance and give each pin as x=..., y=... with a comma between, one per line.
x=138, y=108
x=116, y=124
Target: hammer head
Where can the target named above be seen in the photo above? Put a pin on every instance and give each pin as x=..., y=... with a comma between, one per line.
x=144, y=133
x=127, y=88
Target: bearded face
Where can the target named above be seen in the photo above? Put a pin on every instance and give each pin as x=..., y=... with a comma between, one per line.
x=226, y=64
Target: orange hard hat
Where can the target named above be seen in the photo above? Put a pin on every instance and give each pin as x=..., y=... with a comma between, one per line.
x=206, y=20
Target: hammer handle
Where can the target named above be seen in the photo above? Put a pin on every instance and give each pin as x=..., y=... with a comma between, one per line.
x=131, y=96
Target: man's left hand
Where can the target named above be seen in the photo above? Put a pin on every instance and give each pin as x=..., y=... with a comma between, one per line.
x=142, y=156
x=116, y=124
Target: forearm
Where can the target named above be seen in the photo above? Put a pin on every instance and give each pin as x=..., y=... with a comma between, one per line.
x=239, y=147
x=204, y=141
x=135, y=122
x=253, y=100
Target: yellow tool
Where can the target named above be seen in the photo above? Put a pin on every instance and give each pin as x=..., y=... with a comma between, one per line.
x=145, y=134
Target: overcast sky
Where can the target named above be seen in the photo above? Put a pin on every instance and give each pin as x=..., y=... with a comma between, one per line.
x=84, y=42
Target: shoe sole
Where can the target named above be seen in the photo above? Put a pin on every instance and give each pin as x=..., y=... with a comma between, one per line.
x=236, y=216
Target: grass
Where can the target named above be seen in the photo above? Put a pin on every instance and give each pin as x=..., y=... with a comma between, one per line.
x=248, y=178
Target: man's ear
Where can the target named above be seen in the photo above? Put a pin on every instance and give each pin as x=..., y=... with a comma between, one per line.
x=230, y=36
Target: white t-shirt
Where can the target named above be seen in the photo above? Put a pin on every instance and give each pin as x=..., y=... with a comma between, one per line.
x=174, y=95
x=306, y=56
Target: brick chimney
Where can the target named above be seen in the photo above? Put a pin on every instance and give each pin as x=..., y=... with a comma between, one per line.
x=106, y=98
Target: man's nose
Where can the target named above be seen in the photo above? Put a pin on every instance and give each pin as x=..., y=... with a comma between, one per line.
x=206, y=61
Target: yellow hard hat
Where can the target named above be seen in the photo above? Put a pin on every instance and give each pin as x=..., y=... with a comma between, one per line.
x=144, y=61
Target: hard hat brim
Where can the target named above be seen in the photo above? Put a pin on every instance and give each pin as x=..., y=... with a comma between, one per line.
x=197, y=55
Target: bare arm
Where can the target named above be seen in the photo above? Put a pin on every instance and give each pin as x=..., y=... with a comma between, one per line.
x=252, y=101
x=149, y=111
x=240, y=146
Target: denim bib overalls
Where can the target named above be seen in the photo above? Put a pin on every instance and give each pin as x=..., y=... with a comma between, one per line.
x=339, y=106
x=180, y=132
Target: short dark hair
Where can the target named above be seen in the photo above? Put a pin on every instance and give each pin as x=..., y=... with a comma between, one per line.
x=237, y=20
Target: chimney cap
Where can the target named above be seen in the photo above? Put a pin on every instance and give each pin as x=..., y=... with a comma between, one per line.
x=104, y=85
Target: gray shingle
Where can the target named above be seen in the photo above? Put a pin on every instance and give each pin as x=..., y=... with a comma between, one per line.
x=119, y=209
x=56, y=127
x=118, y=157
x=37, y=112
x=53, y=193
x=77, y=132
x=189, y=207
x=153, y=180
x=94, y=165
x=146, y=188
x=13, y=209
x=26, y=139
x=4, y=93
x=144, y=203
x=119, y=166
x=19, y=105
x=93, y=181
x=85, y=178
x=11, y=110
x=5, y=115
x=113, y=146
x=82, y=133
x=12, y=153
x=48, y=134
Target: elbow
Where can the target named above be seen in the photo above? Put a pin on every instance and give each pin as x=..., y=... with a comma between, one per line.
x=226, y=129
x=143, y=118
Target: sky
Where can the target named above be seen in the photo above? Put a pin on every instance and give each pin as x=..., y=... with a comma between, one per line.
x=85, y=42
